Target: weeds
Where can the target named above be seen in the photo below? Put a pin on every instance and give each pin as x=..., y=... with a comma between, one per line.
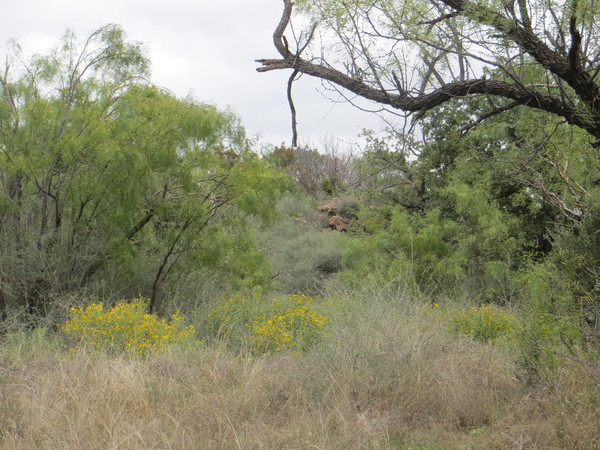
x=126, y=327
x=385, y=375
x=486, y=323
x=278, y=325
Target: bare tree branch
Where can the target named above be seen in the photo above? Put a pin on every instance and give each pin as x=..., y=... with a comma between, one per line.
x=293, y=109
x=577, y=100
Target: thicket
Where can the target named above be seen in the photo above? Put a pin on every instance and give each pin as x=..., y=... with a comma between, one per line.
x=111, y=187
x=466, y=244
x=502, y=214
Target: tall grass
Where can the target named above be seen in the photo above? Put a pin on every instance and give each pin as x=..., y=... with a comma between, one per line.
x=387, y=376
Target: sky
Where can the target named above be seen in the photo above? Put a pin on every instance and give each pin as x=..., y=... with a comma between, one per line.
x=205, y=48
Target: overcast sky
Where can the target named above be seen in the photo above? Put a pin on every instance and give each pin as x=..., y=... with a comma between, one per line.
x=203, y=47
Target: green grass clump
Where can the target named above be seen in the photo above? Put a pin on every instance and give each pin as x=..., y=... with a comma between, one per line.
x=126, y=327
x=486, y=323
x=278, y=325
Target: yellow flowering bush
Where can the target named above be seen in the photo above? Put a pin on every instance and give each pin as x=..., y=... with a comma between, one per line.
x=127, y=326
x=485, y=323
x=293, y=327
x=282, y=324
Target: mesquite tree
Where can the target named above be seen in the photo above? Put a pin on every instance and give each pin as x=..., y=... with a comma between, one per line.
x=503, y=198
x=106, y=179
x=411, y=55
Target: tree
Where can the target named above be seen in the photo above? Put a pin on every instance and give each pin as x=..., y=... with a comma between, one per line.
x=412, y=56
x=108, y=180
x=506, y=183
x=317, y=174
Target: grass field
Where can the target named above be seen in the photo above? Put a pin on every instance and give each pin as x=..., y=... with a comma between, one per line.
x=386, y=376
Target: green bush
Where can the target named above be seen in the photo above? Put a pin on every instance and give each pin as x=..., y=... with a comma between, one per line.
x=301, y=257
x=126, y=327
x=486, y=323
x=349, y=206
x=551, y=323
x=282, y=324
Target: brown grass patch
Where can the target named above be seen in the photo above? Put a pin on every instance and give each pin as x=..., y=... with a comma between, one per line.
x=379, y=381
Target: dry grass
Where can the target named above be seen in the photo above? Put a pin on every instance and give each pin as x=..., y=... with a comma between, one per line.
x=381, y=380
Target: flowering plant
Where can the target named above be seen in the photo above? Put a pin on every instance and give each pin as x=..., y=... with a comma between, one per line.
x=126, y=327
x=486, y=323
x=282, y=324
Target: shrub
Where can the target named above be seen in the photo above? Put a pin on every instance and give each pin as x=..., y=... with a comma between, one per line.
x=126, y=327
x=485, y=323
x=552, y=322
x=301, y=256
x=349, y=206
x=282, y=324
x=231, y=320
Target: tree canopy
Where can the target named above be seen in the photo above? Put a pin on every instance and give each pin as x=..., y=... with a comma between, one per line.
x=106, y=179
x=411, y=56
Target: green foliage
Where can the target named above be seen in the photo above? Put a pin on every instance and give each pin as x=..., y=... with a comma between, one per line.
x=279, y=325
x=421, y=247
x=111, y=184
x=550, y=322
x=577, y=258
x=488, y=242
x=486, y=323
x=301, y=257
x=467, y=213
x=469, y=217
x=126, y=327
x=348, y=206
x=386, y=173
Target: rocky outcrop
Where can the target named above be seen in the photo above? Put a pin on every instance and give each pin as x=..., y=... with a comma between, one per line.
x=332, y=218
x=329, y=207
x=339, y=223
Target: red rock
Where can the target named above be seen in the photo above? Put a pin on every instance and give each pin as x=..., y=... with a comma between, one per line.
x=338, y=223
x=329, y=206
